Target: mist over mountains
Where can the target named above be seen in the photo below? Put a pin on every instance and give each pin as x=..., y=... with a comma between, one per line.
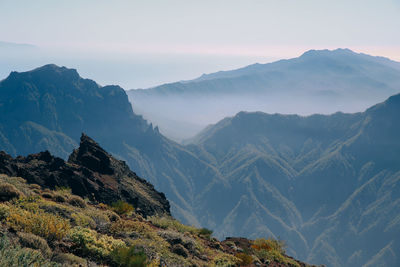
x=319, y=81
x=327, y=184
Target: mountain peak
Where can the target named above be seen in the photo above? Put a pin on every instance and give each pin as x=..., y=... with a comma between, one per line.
x=46, y=72
x=324, y=52
x=92, y=156
x=55, y=69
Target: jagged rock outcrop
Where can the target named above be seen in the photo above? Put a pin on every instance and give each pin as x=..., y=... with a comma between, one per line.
x=90, y=172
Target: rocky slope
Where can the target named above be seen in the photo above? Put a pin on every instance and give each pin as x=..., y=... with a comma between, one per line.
x=90, y=172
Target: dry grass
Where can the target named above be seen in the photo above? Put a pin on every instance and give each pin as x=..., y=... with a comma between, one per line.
x=43, y=224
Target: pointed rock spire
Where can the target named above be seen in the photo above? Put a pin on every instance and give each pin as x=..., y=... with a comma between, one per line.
x=92, y=156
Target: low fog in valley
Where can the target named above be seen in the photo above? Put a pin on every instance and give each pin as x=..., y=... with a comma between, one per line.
x=318, y=82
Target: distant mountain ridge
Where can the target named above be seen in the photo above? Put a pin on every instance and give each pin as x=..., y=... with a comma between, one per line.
x=333, y=54
x=8, y=45
x=319, y=81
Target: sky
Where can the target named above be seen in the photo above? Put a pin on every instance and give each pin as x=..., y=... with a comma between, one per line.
x=181, y=39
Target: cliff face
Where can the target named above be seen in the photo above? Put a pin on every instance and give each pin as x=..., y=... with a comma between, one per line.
x=90, y=172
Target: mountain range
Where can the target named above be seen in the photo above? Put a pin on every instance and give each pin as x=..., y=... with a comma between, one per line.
x=327, y=184
x=319, y=81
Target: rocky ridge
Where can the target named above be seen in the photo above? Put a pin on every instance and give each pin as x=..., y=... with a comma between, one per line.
x=90, y=172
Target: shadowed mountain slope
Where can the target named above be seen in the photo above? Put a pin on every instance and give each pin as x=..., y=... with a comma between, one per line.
x=329, y=182
x=48, y=108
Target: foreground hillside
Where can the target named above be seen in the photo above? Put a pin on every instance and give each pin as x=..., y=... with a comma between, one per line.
x=319, y=81
x=44, y=224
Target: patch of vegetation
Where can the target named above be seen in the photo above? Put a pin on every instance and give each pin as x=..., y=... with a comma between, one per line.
x=133, y=228
x=245, y=259
x=15, y=256
x=4, y=211
x=48, y=226
x=129, y=257
x=83, y=220
x=77, y=201
x=273, y=250
x=35, y=242
x=171, y=223
x=68, y=259
x=224, y=260
x=44, y=228
x=91, y=243
x=205, y=232
x=122, y=207
x=8, y=192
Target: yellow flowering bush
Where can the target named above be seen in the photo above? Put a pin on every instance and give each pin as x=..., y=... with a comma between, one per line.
x=46, y=225
x=95, y=244
x=128, y=227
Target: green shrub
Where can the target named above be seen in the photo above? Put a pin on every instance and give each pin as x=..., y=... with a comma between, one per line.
x=64, y=190
x=77, y=201
x=80, y=219
x=273, y=250
x=245, y=259
x=59, y=198
x=68, y=259
x=205, y=232
x=94, y=244
x=18, y=182
x=8, y=192
x=15, y=256
x=122, y=207
x=100, y=218
x=4, y=211
x=36, y=242
x=224, y=260
x=171, y=223
x=269, y=244
x=127, y=227
x=129, y=257
x=112, y=216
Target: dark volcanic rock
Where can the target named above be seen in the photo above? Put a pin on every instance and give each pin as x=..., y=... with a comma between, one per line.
x=90, y=172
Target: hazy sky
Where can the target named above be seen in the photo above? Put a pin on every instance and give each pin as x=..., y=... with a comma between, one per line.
x=256, y=29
